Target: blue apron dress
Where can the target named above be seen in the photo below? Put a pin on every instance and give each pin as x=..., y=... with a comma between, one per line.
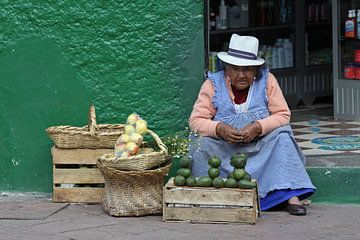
x=275, y=160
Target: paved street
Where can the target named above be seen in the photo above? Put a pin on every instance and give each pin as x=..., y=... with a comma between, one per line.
x=40, y=219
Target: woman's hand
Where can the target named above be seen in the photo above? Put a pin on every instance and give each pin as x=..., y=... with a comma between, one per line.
x=250, y=132
x=228, y=133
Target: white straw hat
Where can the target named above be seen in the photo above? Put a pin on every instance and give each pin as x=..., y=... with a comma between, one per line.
x=242, y=51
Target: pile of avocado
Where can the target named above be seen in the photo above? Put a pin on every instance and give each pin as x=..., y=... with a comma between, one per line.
x=183, y=175
x=238, y=178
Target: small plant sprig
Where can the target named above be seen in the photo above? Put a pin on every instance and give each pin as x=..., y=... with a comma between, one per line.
x=178, y=144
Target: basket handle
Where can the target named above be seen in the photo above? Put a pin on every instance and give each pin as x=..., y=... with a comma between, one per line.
x=161, y=145
x=92, y=121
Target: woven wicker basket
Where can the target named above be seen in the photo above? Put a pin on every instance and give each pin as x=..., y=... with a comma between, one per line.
x=132, y=193
x=91, y=136
x=141, y=161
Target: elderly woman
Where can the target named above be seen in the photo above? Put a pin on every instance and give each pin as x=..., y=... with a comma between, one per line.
x=242, y=109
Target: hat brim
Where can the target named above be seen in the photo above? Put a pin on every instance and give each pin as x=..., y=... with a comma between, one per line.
x=225, y=57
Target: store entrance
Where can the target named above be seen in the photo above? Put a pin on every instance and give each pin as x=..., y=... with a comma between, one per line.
x=295, y=40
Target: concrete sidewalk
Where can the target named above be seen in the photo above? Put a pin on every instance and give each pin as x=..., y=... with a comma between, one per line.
x=40, y=219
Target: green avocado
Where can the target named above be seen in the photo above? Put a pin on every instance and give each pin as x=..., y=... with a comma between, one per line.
x=204, y=182
x=214, y=161
x=218, y=182
x=231, y=183
x=238, y=160
x=213, y=172
x=179, y=180
x=185, y=162
x=239, y=173
x=247, y=176
x=190, y=181
x=185, y=172
x=245, y=184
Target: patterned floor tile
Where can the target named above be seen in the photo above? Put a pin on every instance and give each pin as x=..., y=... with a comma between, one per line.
x=312, y=136
x=344, y=132
x=312, y=152
x=313, y=129
x=341, y=125
x=314, y=123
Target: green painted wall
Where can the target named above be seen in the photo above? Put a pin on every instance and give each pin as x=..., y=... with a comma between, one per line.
x=58, y=57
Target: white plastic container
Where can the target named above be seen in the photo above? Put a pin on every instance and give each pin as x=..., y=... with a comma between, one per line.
x=288, y=49
x=223, y=15
x=244, y=12
x=234, y=17
x=274, y=57
x=281, y=56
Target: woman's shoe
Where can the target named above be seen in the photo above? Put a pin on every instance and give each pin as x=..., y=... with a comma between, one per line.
x=296, y=209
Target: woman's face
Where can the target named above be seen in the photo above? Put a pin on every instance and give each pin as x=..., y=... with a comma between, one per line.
x=241, y=77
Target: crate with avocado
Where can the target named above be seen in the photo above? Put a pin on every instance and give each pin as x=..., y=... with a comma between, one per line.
x=211, y=198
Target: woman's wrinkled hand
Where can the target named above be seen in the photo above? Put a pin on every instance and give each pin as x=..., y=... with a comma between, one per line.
x=228, y=133
x=250, y=132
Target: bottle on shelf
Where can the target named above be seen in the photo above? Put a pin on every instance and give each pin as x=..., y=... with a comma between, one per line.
x=212, y=21
x=223, y=15
x=244, y=12
x=283, y=12
x=234, y=16
x=281, y=54
x=274, y=57
x=268, y=56
x=311, y=11
x=217, y=22
x=324, y=16
x=270, y=12
x=350, y=24
x=289, y=13
x=261, y=10
x=358, y=24
x=288, y=49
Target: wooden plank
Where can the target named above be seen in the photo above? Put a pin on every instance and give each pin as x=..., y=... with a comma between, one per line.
x=77, y=156
x=210, y=215
x=80, y=175
x=77, y=195
x=210, y=196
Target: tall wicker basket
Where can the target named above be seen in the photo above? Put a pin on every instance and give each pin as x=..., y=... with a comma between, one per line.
x=132, y=193
x=91, y=136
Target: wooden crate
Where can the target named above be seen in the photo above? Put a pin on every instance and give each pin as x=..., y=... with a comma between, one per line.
x=76, y=178
x=209, y=205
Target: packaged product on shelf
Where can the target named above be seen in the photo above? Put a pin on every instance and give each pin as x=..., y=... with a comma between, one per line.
x=212, y=61
x=234, y=16
x=357, y=55
x=357, y=72
x=244, y=12
x=349, y=71
x=358, y=24
x=288, y=48
x=350, y=24
x=212, y=21
x=223, y=15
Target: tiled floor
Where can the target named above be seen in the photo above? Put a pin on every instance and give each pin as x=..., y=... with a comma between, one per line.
x=318, y=133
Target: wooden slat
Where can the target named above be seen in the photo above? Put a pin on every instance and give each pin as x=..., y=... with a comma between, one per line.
x=80, y=175
x=77, y=195
x=209, y=215
x=210, y=196
x=77, y=156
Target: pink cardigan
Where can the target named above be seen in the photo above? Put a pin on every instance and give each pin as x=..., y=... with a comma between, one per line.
x=204, y=111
